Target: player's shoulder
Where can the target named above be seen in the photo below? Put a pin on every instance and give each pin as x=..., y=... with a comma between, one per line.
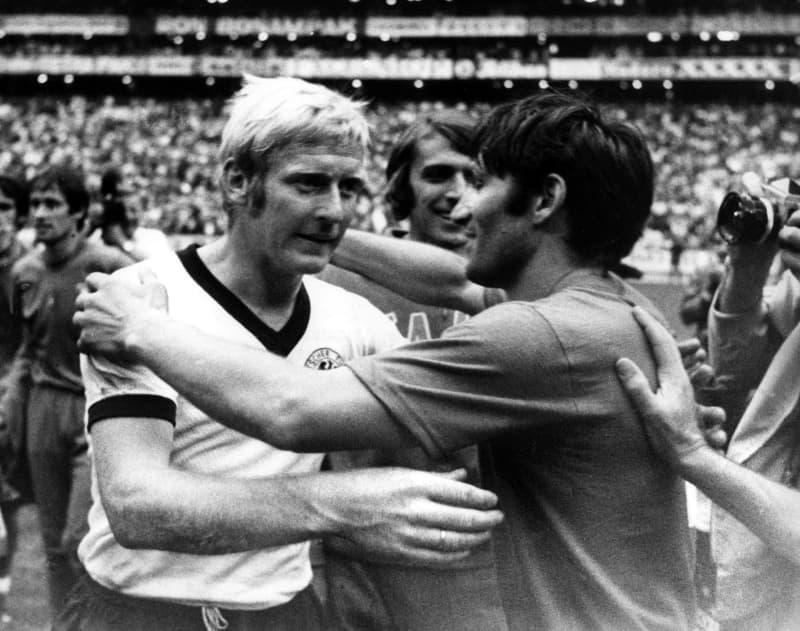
x=104, y=256
x=347, y=310
x=30, y=260
x=162, y=266
x=322, y=290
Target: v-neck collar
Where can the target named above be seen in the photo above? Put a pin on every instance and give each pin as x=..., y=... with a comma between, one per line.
x=279, y=342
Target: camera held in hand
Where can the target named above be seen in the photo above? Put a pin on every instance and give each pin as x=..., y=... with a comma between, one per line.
x=748, y=218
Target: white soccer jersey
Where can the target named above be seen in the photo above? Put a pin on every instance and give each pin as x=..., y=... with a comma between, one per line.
x=328, y=327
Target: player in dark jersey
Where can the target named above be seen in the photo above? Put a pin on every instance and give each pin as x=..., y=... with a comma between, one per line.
x=44, y=286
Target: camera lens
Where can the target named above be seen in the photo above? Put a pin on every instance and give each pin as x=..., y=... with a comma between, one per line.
x=743, y=219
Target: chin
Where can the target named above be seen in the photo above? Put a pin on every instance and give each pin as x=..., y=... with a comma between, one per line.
x=311, y=264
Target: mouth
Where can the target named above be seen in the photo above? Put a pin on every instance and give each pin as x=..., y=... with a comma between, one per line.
x=320, y=239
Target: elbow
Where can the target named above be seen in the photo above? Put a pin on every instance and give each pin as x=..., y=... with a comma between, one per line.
x=289, y=425
x=131, y=515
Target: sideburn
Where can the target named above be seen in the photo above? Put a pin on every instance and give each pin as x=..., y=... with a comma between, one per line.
x=258, y=197
x=519, y=198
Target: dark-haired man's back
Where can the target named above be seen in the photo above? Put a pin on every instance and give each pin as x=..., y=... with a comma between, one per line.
x=595, y=535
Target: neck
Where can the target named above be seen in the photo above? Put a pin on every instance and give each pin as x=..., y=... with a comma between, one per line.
x=552, y=263
x=64, y=248
x=271, y=296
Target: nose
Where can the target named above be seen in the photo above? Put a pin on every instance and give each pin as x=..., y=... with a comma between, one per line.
x=334, y=209
x=38, y=209
x=462, y=211
x=458, y=185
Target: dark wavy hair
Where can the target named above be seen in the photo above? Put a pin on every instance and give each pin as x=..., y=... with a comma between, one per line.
x=71, y=184
x=16, y=190
x=605, y=163
x=453, y=125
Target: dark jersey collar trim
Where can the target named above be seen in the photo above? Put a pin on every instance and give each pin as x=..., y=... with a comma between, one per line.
x=279, y=342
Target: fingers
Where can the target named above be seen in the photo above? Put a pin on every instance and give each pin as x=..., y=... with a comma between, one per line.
x=689, y=347
x=668, y=359
x=636, y=385
x=711, y=420
x=445, y=517
x=96, y=280
x=751, y=183
x=455, y=493
x=405, y=553
x=441, y=540
x=702, y=376
x=456, y=474
x=146, y=275
x=439, y=546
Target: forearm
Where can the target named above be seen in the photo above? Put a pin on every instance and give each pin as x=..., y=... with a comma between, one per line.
x=743, y=285
x=183, y=512
x=769, y=509
x=421, y=272
x=263, y=395
x=741, y=344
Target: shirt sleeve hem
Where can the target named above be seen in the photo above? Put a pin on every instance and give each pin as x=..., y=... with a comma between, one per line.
x=146, y=405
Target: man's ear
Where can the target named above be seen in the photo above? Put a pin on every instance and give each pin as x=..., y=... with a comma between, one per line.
x=550, y=200
x=235, y=182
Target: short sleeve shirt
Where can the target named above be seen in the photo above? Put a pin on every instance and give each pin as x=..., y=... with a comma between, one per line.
x=327, y=327
x=595, y=534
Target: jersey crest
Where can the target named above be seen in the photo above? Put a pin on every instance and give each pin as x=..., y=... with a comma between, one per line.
x=324, y=359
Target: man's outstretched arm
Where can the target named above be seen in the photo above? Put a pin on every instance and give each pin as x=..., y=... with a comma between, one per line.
x=250, y=390
x=421, y=272
x=670, y=415
x=395, y=514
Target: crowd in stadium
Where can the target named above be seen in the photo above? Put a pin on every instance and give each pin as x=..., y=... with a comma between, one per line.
x=168, y=149
x=536, y=51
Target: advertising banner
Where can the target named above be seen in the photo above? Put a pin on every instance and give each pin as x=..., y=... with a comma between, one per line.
x=53, y=24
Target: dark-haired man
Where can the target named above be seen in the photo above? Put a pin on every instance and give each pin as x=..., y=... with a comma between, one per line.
x=428, y=171
x=13, y=213
x=44, y=286
x=595, y=535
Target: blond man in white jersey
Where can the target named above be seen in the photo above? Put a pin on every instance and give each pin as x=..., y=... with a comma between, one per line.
x=197, y=525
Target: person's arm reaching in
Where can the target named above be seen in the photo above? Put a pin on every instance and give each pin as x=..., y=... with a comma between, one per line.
x=257, y=393
x=670, y=415
x=421, y=272
x=747, y=270
x=397, y=514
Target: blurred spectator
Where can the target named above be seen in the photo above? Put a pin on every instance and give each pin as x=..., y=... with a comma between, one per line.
x=119, y=221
